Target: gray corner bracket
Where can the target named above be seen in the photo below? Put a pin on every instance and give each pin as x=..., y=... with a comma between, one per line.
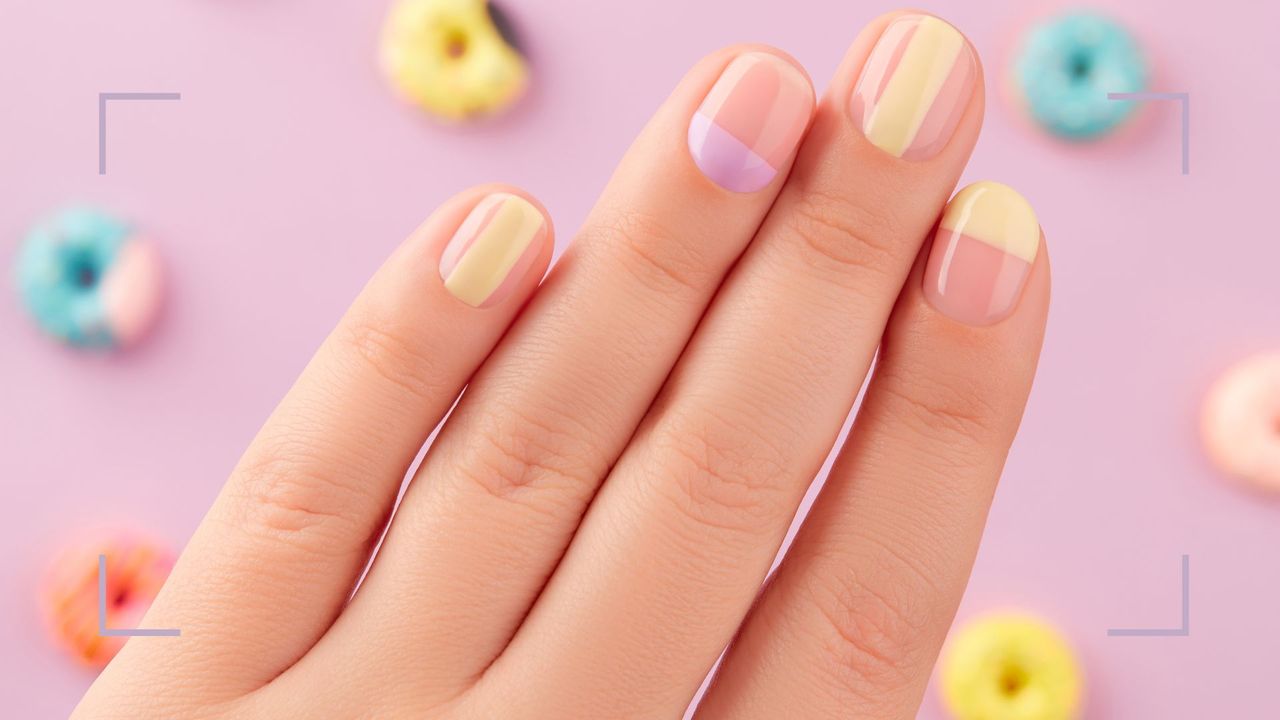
x=1182, y=631
x=105, y=631
x=1185, y=99
x=102, y=117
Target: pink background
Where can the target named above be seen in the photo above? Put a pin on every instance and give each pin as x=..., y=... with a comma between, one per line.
x=287, y=172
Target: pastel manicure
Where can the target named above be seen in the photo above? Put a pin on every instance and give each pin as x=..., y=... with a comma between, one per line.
x=493, y=249
x=750, y=122
x=914, y=87
x=982, y=254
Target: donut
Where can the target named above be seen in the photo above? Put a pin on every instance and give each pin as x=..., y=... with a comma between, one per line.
x=1240, y=423
x=89, y=280
x=456, y=59
x=1065, y=67
x=136, y=569
x=1010, y=666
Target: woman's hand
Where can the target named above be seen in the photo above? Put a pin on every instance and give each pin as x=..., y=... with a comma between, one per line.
x=595, y=519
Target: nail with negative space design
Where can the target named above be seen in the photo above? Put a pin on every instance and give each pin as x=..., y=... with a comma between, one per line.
x=494, y=248
x=750, y=122
x=915, y=87
x=982, y=254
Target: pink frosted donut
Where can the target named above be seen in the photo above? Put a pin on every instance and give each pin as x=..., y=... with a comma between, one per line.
x=136, y=569
x=131, y=292
x=1241, y=421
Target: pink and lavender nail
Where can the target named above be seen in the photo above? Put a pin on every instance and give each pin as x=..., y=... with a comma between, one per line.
x=750, y=122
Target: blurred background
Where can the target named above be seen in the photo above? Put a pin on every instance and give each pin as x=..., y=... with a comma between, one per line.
x=288, y=171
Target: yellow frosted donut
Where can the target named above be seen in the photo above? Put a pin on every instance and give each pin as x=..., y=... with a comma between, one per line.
x=454, y=58
x=1010, y=667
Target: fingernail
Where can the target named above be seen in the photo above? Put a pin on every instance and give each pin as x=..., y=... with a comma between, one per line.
x=914, y=87
x=493, y=249
x=750, y=122
x=982, y=254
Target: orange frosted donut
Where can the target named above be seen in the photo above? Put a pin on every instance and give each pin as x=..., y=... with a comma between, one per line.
x=1241, y=421
x=135, y=571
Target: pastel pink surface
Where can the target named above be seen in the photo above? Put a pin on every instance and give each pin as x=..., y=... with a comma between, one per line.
x=287, y=173
x=972, y=281
x=132, y=290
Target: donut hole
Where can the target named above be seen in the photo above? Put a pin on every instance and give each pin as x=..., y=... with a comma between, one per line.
x=1079, y=66
x=83, y=272
x=455, y=43
x=1013, y=678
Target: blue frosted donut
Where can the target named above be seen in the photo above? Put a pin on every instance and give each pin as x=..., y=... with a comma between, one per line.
x=1067, y=66
x=88, y=280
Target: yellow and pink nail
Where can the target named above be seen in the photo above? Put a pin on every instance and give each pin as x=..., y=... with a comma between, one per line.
x=493, y=250
x=982, y=254
x=750, y=122
x=914, y=87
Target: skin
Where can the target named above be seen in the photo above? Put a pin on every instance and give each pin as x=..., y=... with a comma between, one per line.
x=595, y=521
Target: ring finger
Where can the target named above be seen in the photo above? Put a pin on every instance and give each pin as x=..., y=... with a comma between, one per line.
x=871, y=583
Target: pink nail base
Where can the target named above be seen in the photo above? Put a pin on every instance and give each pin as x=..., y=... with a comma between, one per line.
x=972, y=281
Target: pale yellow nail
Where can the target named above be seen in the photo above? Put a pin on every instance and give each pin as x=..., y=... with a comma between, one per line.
x=493, y=249
x=914, y=87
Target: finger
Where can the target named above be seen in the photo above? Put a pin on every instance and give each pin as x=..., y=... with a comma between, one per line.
x=852, y=623
x=278, y=553
x=502, y=489
x=679, y=539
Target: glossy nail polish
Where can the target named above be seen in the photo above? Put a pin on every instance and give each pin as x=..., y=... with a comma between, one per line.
x=750, y=122
x=493, y=249
x=914, y=87
x=982, y=254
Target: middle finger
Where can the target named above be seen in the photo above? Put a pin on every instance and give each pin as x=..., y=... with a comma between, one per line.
x=674, y=548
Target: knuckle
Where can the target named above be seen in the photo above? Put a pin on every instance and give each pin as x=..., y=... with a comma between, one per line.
x=392, y=354
x=871, y=631
x=838, y=235
x=934, y=406
x=720, y=475
x=282, y=495
x=517, y=450
x=652, y=252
